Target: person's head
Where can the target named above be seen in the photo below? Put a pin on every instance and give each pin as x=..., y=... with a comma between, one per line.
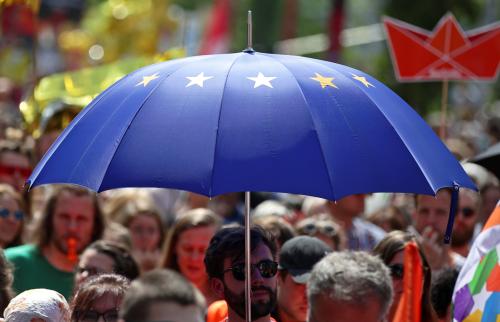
x=103, y=257
x=15, y=165
x=71, y=212
x=99, y=296
x=225, y=204
x=162, y=295
x=442, y=292
x=347, y=208
x=297, y=258
x=272, y=208
x=466, y=218
x=40, y=305
x=12, y=216
x=6, y=279
x=490, y=195
x=390, y=218
x=187, y=242
x=139, y=214
x=225, y=265
x=349, y=286
x=324, y=229
x=391, y=250
x=432, y=211
x=277, y=226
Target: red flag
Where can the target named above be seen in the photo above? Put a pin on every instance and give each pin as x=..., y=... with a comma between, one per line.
x=446, y=53
x=410, y=304
x=216, y=39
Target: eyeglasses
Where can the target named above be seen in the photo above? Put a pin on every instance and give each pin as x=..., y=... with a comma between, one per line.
x=18, y=215
x=11, y=170
x=397, y=270
x=467, y=212
x=92, y=316
x=267, y=269
x=91, y=271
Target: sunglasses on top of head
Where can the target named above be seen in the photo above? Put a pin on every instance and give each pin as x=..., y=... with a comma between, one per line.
x=267, y=269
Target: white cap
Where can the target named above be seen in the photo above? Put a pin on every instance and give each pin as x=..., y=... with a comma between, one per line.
x=38, y=303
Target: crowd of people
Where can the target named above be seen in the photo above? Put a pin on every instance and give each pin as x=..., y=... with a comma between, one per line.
x=69, y=254
x=73, y=255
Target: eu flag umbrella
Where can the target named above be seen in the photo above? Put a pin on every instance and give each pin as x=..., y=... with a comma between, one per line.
x=251, y=121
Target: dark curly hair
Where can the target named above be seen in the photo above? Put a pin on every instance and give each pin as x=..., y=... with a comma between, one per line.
x=230, y=243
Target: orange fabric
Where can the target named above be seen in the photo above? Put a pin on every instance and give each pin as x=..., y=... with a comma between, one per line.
x=217, y=311
x=410, y=305
x=494, y=219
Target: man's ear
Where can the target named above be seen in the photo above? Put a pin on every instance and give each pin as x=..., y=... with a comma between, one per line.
x=217, y=286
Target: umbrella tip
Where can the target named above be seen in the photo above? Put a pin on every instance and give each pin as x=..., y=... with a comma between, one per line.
x=249, y=33
x=27, y=186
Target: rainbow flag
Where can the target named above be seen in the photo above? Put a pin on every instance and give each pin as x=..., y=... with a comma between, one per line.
x=476, y=297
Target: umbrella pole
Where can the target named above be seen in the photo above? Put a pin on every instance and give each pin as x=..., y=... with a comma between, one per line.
x=248, y=285
x=248, y=270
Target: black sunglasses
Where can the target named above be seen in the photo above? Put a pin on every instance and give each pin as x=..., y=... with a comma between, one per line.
x=267, y=269
x=91, y=316
x=467, y=212
x=397, y=270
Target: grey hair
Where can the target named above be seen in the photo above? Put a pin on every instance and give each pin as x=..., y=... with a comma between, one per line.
x=351, y=277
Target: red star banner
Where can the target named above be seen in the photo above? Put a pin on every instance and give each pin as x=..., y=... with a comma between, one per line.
x=447, y=53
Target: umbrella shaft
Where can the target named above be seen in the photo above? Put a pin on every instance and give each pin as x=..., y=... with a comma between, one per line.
x=248, y=274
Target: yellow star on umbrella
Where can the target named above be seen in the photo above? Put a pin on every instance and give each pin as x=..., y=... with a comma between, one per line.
x=324, y=81
x=147, y=79
x=362, y=80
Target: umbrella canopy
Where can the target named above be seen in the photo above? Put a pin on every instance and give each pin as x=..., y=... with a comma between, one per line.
x=251, y=122
x=490, y=159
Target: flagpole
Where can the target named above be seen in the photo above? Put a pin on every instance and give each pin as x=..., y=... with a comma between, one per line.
x=444, y=105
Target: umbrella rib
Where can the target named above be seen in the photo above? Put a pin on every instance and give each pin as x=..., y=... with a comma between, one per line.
x=314, y=122
x=218, y=123
x=66, y=131
x=132, y=120
x=429, y=182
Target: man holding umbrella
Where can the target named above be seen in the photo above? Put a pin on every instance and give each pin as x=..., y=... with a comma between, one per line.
x=224, y=262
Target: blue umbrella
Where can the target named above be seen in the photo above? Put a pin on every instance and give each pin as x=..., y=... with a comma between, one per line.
x=251, y=122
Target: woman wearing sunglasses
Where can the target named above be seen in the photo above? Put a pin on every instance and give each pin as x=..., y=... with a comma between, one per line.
x=11, y=216
x=99, y=299
x=391, y=250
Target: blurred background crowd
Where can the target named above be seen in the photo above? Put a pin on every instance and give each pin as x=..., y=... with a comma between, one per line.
x=56, y=55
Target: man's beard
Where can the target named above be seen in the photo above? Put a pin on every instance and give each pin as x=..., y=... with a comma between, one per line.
x=259, y=309
x=461, y=238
